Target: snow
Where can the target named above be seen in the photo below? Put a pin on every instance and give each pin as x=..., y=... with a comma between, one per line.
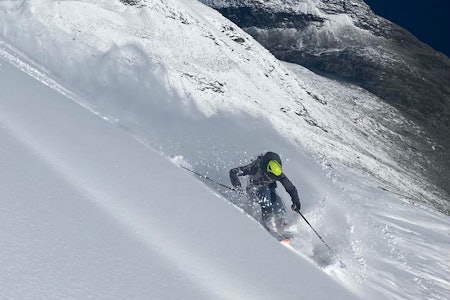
x=95, y=206
x=88, y=212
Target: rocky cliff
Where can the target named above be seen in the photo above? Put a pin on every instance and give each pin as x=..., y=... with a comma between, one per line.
x=345, y=39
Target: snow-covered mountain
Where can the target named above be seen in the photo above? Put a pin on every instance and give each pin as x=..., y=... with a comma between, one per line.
x=88, y=212
x=177, y=77
x=346, y=39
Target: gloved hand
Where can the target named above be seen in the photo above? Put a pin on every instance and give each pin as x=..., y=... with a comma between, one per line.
x=296, y=207
x=239, y=191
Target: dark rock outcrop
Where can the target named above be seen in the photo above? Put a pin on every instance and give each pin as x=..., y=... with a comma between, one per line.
x=345, y=39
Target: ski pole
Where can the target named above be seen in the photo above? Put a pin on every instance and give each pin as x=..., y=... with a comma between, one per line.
x=207, y=178
x=342, y=264
x=315, y=231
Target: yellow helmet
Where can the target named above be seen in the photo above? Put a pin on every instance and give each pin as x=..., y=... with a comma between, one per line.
x=274, y=167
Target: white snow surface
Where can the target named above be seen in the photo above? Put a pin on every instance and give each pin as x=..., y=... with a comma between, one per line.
x=94, y=205
x=88, y=212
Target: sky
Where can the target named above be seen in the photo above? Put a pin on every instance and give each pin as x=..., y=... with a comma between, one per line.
x=429, y=21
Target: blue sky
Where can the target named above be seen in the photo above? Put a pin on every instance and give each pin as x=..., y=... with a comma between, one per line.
x=429, y=20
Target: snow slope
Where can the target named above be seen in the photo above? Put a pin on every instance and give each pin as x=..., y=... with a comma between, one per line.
x=176, y=77
x=213, y=68
x=88, y=212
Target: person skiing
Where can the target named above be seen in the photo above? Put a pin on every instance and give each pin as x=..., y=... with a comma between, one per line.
x=263, y=174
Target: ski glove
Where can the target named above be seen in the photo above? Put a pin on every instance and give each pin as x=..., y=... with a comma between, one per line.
x=296, y=207
x=239, y=191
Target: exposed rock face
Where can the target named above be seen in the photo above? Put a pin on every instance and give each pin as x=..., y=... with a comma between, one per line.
x=344, y=38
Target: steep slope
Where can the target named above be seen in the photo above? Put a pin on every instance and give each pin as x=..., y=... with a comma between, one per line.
x=346, y=39
x=213, y=68
x=88, y=212
x=181, y=79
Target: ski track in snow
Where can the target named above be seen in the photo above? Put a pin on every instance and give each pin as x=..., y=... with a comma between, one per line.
x=93, y=220
x=391, y=247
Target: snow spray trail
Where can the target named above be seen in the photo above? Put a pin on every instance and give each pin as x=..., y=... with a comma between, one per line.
x=87, y=180
x=116, y=174
x=211, y=145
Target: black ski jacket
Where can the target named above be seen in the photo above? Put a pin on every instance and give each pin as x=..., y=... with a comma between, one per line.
x=260, y=177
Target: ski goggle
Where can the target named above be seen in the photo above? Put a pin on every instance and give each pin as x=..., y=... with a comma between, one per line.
x=274, y=167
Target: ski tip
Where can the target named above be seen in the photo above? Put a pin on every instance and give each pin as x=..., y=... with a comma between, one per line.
x=286, y=241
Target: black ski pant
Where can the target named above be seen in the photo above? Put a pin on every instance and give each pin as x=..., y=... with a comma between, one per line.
x=273, y=211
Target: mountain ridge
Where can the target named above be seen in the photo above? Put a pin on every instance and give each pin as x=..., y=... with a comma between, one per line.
x=345, y=39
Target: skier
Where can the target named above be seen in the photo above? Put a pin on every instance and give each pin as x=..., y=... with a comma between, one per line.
x=263, y=173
